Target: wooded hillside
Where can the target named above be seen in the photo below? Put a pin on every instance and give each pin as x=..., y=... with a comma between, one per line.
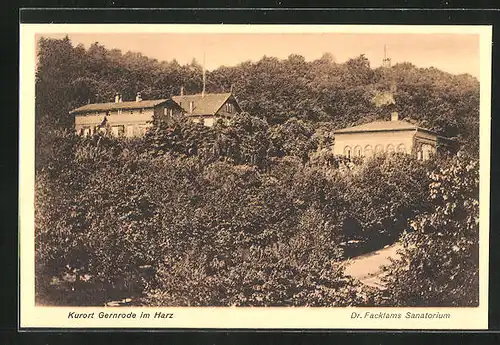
x=276, y=90
x=256, y=211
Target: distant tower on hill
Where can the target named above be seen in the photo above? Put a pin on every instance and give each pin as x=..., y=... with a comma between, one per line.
x=386, y=62
x=204, y=76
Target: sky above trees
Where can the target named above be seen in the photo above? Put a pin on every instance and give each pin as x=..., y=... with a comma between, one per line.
x=453, y=53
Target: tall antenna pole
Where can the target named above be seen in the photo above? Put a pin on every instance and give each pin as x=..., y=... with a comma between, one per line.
x=204, y=76
x=386, y=62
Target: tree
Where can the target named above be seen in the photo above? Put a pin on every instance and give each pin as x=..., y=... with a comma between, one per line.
x=293, y=138
x=439, y=266
x=244, y=140
x=274, y=90
x=384, y=193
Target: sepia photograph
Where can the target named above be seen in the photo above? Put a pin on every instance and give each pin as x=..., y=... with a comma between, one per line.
x=240, y=169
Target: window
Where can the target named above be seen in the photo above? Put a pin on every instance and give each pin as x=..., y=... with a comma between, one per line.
x=427, y=150
x=209, y=121
x=191, y=106
x=347, y=151
x=142, y=130
x=130, y=131
x=119, y=111
x=401, y=148
x=229, y=107
x=390, y=148
x=368, y=151
x=118, y=130
x=357, y=151
x=171, y=112
x=167, y=112
x=86, y=132
x=379, y=149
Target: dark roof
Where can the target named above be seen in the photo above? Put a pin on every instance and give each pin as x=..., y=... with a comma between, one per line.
x=377, y=126
x=121, y=105
x=208, y=104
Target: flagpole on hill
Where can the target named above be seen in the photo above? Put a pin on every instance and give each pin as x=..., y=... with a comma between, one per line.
x=204, y=76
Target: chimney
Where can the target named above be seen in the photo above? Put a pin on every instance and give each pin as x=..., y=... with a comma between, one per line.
x=394, y=116
x=182, y=90
x=138, y=97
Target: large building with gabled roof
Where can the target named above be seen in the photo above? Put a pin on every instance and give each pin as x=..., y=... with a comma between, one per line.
x=208, y=108
x=130, y=118
x=133, y=118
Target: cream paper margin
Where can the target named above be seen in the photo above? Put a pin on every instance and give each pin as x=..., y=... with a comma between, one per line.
x=237, y=317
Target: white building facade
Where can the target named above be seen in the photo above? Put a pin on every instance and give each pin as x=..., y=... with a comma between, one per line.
x=393, y=136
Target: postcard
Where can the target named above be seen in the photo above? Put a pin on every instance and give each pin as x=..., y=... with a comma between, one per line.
x=254, y=176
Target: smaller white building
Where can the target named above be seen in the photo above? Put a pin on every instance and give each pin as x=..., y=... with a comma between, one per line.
x=392, y=136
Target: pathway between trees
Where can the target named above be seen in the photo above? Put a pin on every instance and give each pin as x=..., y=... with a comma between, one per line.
x=367, y=268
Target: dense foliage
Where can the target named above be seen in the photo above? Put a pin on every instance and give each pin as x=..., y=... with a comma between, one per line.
x=439, y=265
x=255, y=211
x=134, y=217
